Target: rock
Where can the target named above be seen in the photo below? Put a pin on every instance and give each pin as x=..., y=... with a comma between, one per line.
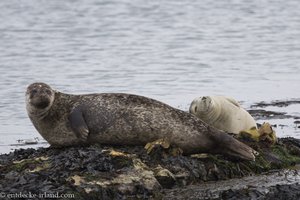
x=278, y=103
x=107, y=172
x=277, y=185
x=164, y=177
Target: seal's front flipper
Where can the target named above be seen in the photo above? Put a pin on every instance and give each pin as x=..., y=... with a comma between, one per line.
x=78, y=124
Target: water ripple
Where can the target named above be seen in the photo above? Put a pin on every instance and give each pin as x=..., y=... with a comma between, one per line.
x=172, y=50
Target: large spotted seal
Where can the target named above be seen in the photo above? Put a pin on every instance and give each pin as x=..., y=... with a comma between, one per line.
x=222, y=112
x=122, y=119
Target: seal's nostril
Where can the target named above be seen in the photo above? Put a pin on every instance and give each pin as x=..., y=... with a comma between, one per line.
x=32, y=93
x=203, y=98
x=195, y=109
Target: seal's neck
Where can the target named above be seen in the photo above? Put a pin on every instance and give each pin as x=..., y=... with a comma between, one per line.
x=37, y=113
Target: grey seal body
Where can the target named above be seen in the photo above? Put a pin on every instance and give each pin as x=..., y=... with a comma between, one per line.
x=122, y=119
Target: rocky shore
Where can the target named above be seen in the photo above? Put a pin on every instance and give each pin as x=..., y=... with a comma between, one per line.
x=126, y=172
x=102, y=172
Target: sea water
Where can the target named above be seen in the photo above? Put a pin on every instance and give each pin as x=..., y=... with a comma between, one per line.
x=173, y=51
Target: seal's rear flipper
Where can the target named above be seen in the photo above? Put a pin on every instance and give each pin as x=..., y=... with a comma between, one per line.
x=229, y=146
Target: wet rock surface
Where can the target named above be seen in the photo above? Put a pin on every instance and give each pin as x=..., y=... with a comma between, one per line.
x=284, y=115
x=269, y=110
x=102, y=172
x=267, y=114
x=278, y=103
x=276, y=185
x=259, y=110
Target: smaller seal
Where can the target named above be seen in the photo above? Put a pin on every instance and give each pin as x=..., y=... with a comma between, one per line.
x=223, y=113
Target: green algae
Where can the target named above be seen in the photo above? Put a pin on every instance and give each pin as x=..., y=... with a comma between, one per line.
x=30, y=164
x=285, y=157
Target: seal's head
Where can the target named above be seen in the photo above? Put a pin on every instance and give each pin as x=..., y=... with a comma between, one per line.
x=39, y=98
x=201, y=106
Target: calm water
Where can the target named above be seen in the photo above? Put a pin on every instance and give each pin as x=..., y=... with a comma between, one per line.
x=170, y=50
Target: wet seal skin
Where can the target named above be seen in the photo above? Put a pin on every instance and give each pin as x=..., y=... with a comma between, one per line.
x=123, y=119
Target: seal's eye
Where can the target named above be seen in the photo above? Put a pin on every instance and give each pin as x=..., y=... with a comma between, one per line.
x=195, y=109
x=48, y=92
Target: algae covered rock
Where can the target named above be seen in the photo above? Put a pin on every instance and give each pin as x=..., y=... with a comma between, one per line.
x=106, y=172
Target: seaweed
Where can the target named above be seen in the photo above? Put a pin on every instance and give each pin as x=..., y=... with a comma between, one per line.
x=114, y=172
